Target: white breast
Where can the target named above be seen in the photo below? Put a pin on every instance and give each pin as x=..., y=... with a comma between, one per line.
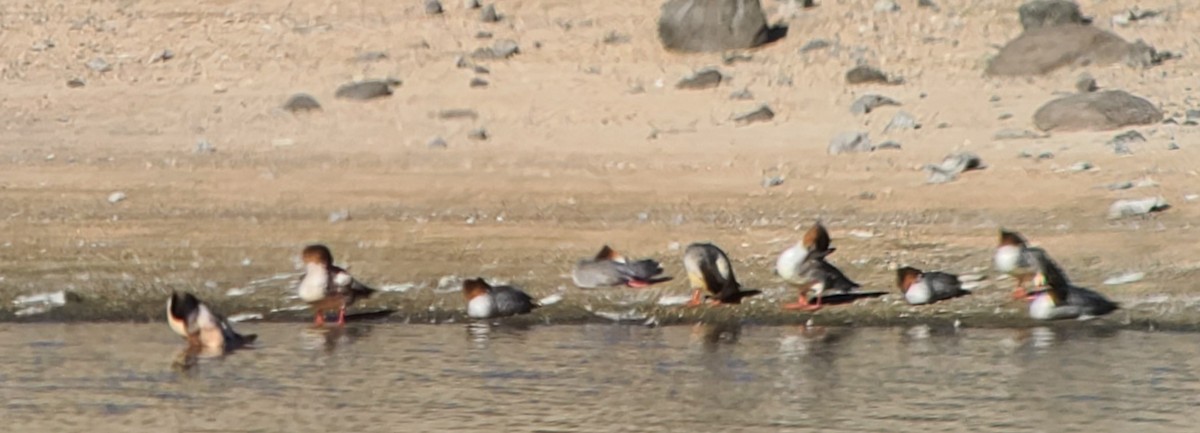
x=211, y=334
x=1042, y=307
x=789, y=260
x=1007, y=258
x=918, y=293
x=312, y=287
x=480, y=307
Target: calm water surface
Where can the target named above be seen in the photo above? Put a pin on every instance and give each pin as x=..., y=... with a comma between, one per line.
x=594, y=378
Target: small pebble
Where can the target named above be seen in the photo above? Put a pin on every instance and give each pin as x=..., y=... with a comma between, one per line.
x=762, y=114
x=433, y=7
x=162, y=56
x=488, y=14
x=703, y=79
x=741, y=95
x=436, y=143
x=203, y=147
x=815, y=44
x=478, y=82
x=301, y=102
x=116, y=197
x=886, y=6
x=1086, y=84
x=471, y=4
x=339, y=216
x=866, y=103
x=75, y=83
x=478, y=134
x=99, y=65
x=902, y=121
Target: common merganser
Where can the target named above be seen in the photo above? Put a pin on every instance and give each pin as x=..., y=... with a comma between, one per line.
x=485, y=301
x=1012, y=258
x=610, y=269
x=815, y=241
x=327, y=287
x=202, y=328
x=824, y=279
x=708, y=269
x=921, y=287
x=1060, y=299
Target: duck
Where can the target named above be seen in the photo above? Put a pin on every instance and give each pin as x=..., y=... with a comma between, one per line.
x=1057, y=298
x=326, y=287
x=485, y=301
x=200, y=326
x=920, y=287
x=1012, y=257
x=708, y=269
x=815, y=241
x=609, y=269
x=816, y=274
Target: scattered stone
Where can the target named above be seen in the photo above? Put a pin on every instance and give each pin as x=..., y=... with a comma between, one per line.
x=614, y=38
x=488, y=14
x=1042, y=50
x=1096, y=111
x=1128, y=208
x=902, y=121
x=339, y=216
x=928, y=4
x=481, y=70
x=458, y=113
x=815, y=44
x=301, y=102
x=483, y=35
x=436, y=143
x=116, y=197
x=743, y=95
x=704, y=79
x=1121, y=142
x=952, y=166
x=461, y=62
x=1086, y=84
x=1134, y=15
x=850, y=142
x=478, y=134
x=1126, y=278
x=762, y=114
x=370, y=56
x=75, y=83
x=734, y=57
x=1049, y=13
x=886, y=6
x=478, y=82
x=890, y=144
x=772, y=180
x=501, y=49
x=1117, y=186
x=367, y=89
x=863, y=74
x=1173, y=146
x=42, y=45
x=99, y=65
x=162, y=56
x=1045, y=155
x=1004, y=116
x=433, y=7
x=866, y=103
x=712, y=25
x=1081, y=166
x=1192, y=115
x=1016, y=134
x=204, y=147
x=471, y=4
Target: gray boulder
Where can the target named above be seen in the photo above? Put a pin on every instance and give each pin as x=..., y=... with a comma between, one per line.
x=712, y=25
x=1042, y=50
x=1096, y=111
x=1049, y=13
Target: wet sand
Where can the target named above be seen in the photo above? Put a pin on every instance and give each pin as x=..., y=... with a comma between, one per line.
x=571, y=163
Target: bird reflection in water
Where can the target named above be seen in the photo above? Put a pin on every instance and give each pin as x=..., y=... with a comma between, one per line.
x=331, y=338
x=482, y=332
x=189, y=358
x=711, y=336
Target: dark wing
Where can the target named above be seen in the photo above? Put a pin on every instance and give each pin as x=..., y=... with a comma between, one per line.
x=643, y=270
x=342, y=283
x=835, y=281
x=943, y=285
x=1041, y=261
x=510, y=300
x=1089, y=301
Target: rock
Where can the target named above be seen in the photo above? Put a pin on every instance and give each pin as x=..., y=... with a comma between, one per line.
x=1004, y=116
x=734, y=57
x=370, y=56
x=952, y=166
x=478, y=134
x=488, y=14
x=815, y=44
x=704, y=79
x=301, y=102
x=742, y=95
x=1117, y=186
x=890, y=144
x=1041, y=50
x=1121, y=142
x=866, y=103
x=902, y=121
x=772, y=180
x=471, y=4
x=501, y=49
x=1086, y=84
x=1134, y=15
x=1097, y=111
x=339, y=216
x=614, y=38
x=162, y=56
x=1173, y=146
x=42, y=45
x=367, y=89
x=928, y=4
x=436, y=143
x=433, y=7
x=865, y=74
x=762, y=114
x=483, y=35
x=886, y=6
x=1049, y=13
x=116, y=197
x=850, y=142
x=99, y=65
x=75, y=83
x=203, y=147
x=1016, y=134
x=1128, y=208
x=458, y=113
x=478, y=82
x=712, y=25
x=1081, y=166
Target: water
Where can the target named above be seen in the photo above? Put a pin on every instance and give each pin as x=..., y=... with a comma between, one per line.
x=595, y=378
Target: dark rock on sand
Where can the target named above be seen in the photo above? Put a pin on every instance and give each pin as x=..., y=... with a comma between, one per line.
x=301, y=102
x=762, y=114
x=1096, y=111
x=458, y=113
x=1086, y=84
x=703, y=79
x=433, y=7
x=501, y=49
x=1120, y=143
x=1049, y=13
x=478, y=134
x=865, y=74
x=488, y=14
x=816, y=44
x=952, y=166
x=478, y=82
x=367, y=89
x=712, y=25
x=866, y=103
x=1041, y=50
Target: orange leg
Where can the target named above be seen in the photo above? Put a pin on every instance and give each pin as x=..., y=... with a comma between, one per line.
x=342, y=316
x=803, y=305
x=637, y=284
x=696, y=301
x=320, y=319
x=1021, y=292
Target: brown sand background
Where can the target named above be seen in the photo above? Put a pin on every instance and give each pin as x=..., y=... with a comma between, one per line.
x=570, y=164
